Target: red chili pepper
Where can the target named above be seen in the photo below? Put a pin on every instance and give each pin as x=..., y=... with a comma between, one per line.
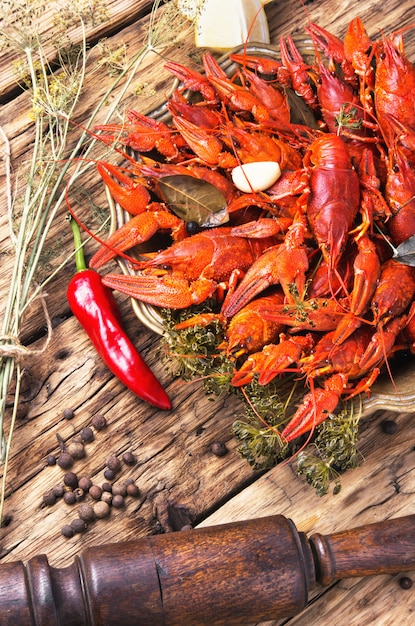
x=95, y=307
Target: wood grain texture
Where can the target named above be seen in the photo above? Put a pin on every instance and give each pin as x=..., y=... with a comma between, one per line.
x=180, y=479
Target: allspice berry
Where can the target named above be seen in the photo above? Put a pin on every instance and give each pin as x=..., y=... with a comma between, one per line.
x=65, y=460
x=85, y=483
x=86, y=513
x=133, y=490
x=113, y=463
x=129, y=458
x=67, y=531
x=69, y=497
x=71, y=480
x=49, y=498
x=218, y=448
x=69, y=414
x=109, y=474
x=118, y=502
x=51, y=460
x=79, y=494
x=76, y=450
x=58, y=491
x=106, y=497
x=78, y=525
x=87, y=434
x=101, y=509
x=95, y=492
x=98, y=422
x=120, y=489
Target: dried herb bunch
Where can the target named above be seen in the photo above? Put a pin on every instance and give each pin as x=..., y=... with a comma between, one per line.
x=53, y=71
x=194, y=353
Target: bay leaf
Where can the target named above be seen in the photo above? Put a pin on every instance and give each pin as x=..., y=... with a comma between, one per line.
x=405, y=252
x=194, y=200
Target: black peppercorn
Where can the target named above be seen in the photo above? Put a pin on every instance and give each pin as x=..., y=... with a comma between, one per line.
x=98, y=422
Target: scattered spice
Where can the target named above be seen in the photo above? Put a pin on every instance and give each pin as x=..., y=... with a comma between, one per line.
x=118, y=501
x=86, y=513
x=109, y=474
x=49, y=498
x=87, y=434
x=67, y=531
x=405, y=582
x=51, y=460
x=129, y=458
x=95, y=492
x=76, y=450
x=68, y=414
x=69, y=497
x=78, y=525
x=65, y=460
x=101, y=509
x=85, y=483
x=113, y=463
x=71, y=480
x=389, y=427
x=218, y=448
x=99, y=422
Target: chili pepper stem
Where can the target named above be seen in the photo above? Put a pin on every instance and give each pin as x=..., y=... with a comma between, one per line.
x=78, y=245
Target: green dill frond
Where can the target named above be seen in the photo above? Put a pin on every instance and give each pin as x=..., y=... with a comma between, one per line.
x=333, y=451
x=318, y=472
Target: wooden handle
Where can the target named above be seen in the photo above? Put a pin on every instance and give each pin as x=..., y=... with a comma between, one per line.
x=231, y=574
x=223, y=575
x=384, y=548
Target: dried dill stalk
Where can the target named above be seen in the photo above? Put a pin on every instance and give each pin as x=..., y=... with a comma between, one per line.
x=53, y=99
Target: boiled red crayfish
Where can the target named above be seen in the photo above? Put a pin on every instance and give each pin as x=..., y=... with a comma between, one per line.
x=310, y=285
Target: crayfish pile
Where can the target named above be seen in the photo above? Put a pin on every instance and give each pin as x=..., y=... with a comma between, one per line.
x=308, y=274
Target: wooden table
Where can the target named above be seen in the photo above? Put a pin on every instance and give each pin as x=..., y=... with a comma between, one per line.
x=181, y=481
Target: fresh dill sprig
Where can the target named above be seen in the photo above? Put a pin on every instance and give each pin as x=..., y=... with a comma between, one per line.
x=333, y=451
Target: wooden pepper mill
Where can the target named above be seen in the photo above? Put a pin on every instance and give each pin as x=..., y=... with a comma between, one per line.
x=230, y=574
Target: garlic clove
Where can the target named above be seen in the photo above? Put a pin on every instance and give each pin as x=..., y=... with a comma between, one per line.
x=256, y=176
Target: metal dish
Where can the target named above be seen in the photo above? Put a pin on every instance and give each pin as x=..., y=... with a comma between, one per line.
x=398, y=395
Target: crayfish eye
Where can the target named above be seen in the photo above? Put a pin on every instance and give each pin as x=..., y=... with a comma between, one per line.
x=396, y=168
x=382, y=55
x=192, y=228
